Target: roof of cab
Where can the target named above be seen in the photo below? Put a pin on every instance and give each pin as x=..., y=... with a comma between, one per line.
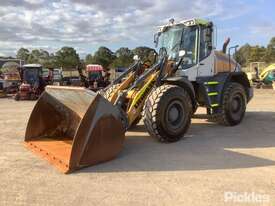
x=188, y=22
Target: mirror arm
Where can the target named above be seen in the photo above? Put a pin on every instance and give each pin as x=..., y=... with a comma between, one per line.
x=176, y=67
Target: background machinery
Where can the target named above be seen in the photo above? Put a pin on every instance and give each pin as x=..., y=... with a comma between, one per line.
x=52, y=76
x=261, y=75
x=2, y=91
x=10, y=80
x=47, y=75
x=96, y=78
x=87, y=128
x=266, y=77
x=57, y=77
x=32, y=82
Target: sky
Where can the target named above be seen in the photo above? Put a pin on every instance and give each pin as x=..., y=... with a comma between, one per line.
x=89, y=24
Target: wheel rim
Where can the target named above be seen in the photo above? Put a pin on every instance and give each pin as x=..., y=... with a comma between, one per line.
x=175, y=115
x=237, y=106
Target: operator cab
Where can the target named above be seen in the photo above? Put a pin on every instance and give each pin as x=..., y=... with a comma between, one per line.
x=32, y=73
x=192, y=36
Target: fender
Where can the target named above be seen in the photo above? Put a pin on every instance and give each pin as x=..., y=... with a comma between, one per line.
x=223, y=80
x=184, y=83
x=241, y=78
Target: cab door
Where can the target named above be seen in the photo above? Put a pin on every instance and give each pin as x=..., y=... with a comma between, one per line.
x=206, y=54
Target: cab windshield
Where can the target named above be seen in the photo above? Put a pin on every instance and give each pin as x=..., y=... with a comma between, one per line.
x=31, y=75
x=170, y=40
x=178, y=38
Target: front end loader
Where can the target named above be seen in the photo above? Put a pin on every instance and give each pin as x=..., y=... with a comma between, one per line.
x=74, y=127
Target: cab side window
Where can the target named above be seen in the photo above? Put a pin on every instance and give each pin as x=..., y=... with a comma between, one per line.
x=189, y=45
x=205, y=44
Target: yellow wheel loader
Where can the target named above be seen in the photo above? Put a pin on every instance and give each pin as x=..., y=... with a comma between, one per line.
x=74, y=127
x=262, y=76
x=266, y=77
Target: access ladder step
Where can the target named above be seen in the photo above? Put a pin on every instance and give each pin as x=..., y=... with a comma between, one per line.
x=210, y=94
x=214, y=105
x=211, y=83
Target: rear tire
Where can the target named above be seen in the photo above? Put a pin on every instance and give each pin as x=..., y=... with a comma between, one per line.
x=233, y=105
x=167, y=113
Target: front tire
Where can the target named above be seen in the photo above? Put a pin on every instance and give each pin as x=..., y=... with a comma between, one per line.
x=167, y=113
x=233, y=105
x=17, y=97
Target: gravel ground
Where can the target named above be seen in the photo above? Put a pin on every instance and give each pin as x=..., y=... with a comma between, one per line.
x=212, y=164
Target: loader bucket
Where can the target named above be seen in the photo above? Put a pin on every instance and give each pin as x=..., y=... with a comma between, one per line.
x=74, y=128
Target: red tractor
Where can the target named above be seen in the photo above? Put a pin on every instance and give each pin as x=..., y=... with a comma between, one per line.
x=32, y=82
x=96, y=78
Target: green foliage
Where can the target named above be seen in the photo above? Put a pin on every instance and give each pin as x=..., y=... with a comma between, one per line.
x=89, y=59
x=247, y=54
x=23, y=54
x=102, y=56
x=124, y=58
x=38, y=56
x=243, y=54
x=67, y=58
x=49, y=62
x=145, y=53
x=257, y=54
x=270, y=51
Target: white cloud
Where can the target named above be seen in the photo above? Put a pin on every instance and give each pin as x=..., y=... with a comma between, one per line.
x=55, y=23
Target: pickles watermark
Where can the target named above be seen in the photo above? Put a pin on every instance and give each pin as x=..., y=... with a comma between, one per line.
x=246, y=197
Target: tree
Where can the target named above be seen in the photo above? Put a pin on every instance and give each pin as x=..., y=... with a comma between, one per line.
x=43, y=57
x=124, y=57
x=89, y=59
x=102, y=56
x=247, y=54
x=257, y=54
x=145, y=53
x=23, y=54
x=123, y=51
x=49, y=62
x=34, y=57
x=269, y=56
x=67, y=57
x=243, y=54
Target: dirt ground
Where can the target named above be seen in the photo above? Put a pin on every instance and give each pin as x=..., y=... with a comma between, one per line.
x=212, y=162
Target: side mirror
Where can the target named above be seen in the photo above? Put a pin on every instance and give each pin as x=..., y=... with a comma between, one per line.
x=136, y=58
x=182, y=53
